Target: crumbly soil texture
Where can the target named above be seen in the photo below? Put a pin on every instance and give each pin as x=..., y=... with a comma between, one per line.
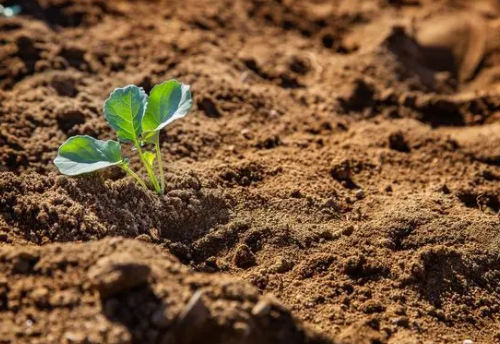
x=337, y=180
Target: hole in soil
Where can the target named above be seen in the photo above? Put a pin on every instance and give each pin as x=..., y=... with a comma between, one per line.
x=209, y=107
x=473, y=199
x=28, y=52
x=7, y=26
x=64, y=85
x=75, y=56
x=328, y=40
x=67, y=119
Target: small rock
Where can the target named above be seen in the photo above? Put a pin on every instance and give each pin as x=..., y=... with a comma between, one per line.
x=261, y=308
x=371, y=306
x=244, y=257
x=296, y=194
x=468, y=341
x=341, y=171
x=117, y=273
x=329, y=235
x=211, y=262
x=360, y=194
x=75, y=337
x=400, y=310
x=266, y=304
x=144, y=237
x=195, y=314
x=246, y=134
x=397, y=141
x=440, y=315
x=348, y=230
x=282, y=265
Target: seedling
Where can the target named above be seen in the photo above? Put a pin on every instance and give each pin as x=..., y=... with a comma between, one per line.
x=137, y=119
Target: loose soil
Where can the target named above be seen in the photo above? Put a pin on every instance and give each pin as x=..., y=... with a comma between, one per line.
x=337, y=180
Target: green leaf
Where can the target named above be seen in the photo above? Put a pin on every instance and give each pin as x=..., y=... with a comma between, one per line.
x=149, y=157
x=124, y=111
x=151, y=137
x=167, y=102
x=84, y=154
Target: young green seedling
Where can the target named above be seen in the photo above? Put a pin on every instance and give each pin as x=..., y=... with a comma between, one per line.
x=137, y=119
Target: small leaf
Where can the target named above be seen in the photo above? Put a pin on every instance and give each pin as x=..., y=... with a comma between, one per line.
x=149, y=157
x=151, y=137
x=84, y=154
x=167, y=102
x=124, y=111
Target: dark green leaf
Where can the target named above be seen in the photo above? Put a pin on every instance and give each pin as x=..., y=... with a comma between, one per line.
x=124, y=111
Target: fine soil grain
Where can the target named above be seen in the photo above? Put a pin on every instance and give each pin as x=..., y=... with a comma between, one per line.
x=337, y=180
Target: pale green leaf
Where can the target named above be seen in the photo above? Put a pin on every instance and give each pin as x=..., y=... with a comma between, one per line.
x=151, y=137
x=167, y=102
x=124, y=111
x=149, y=157
x=84, y=154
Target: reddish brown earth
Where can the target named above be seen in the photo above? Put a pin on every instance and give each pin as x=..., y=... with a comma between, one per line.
x=341, y=156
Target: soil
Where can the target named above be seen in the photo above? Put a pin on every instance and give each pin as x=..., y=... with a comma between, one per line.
x=337, y=180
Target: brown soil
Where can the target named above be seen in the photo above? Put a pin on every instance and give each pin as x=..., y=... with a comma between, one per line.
x=341, y=157
x=123, y=291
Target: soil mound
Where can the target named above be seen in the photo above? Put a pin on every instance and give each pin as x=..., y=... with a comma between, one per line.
x=123, y=291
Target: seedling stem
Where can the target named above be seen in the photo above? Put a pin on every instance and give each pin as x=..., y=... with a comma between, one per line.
x=160, y=163
x=133, y=174
x=151, y=174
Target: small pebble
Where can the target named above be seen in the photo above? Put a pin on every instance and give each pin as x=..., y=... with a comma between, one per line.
x=195, y=314
x=116, y=273
x=244, y=257
x=468, y=341
x=360, y=194
x=263, y=307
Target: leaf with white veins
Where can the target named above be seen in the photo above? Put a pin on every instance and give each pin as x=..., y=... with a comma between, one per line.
x=124, y=110
x=167, y=102
x=84, y=154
